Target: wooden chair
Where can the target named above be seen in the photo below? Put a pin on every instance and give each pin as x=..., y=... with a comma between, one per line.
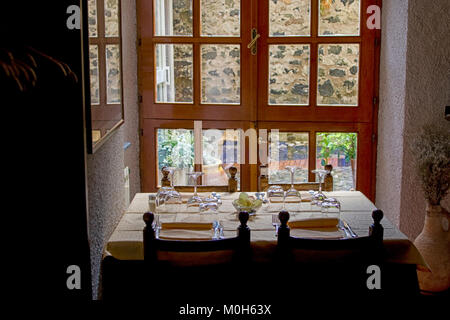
x=331, y=265
x=231, y=187
x=373, y=240
x=194, y=264
x=327, y=184
x=152, y=244
x=345, y=269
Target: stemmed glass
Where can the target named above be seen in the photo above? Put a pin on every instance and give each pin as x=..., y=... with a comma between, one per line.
x=292, y=194
x=275, y=194
x=319, y=196
x=195, y=200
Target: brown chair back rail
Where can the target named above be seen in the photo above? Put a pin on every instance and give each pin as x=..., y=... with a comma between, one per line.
x=327, y=184
x=152, y=244
x=231, y=187
x=373, y=241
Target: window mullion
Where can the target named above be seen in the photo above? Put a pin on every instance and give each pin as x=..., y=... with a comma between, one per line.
x=312, y=155
x=314, y=18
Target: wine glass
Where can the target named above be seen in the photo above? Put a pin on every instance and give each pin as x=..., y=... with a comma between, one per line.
x=292, y=194
x=321, y=174
x=208, y=207
x=172, y=201
x=195, y=200
x=331, y=207
x=275, y=194
x=161, y=195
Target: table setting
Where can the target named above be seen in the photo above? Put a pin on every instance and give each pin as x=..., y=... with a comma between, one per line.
x=214, y=215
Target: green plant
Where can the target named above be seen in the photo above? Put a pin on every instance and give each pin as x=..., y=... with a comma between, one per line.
x=330, y=143
x=175, y=148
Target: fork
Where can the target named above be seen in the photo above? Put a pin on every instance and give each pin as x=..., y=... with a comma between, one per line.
x=275, y=222
x=216, y=229
x=156, y=226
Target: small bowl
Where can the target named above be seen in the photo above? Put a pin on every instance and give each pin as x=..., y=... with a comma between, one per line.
x=251, y=210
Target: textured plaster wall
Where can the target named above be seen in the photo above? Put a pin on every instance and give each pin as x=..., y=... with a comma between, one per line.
x=105, y=167
x=130, y=81
x=427, y=92
x=106, y=198
x=392, y=107
x=414, y=88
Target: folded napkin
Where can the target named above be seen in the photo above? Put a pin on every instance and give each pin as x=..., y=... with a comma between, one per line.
x=314, y=223
x=318, y=233
x=187, y=225
x=323, y=228
x=286, y=201
x=186, y=235
x=186, y=231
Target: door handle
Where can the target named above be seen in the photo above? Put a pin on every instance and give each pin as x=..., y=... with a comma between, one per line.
x=253, y=44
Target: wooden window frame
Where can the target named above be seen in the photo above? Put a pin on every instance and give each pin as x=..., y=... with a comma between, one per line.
x=367, y=40
x=364, y=177
x=101, y=113
x=150, y=158
x=254, y=110
x=147, y=42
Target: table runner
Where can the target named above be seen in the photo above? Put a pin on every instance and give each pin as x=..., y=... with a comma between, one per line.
x=126, y=241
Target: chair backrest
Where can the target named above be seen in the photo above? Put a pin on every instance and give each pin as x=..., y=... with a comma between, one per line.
x=372, y=243
x=327, y=184
x=231, y=187
x=239, y=244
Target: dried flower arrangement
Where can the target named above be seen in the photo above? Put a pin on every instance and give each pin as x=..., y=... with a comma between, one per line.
x=432, y=154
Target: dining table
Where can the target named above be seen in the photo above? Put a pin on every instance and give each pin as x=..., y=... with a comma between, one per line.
x=124, y=267
x=126, y=242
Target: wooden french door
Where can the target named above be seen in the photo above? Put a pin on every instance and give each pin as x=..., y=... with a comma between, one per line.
x=291, y=65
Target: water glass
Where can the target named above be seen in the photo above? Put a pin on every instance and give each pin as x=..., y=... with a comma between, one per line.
x=276, y=196
x=331, y=209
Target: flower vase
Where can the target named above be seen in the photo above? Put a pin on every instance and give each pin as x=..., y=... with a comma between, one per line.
x=434, y=245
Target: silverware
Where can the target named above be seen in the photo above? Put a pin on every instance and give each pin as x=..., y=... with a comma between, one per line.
x=216, y=229
x=157, y=226
x=275, y=222
x=343, y=228
x=353, y=234
x=221, y=236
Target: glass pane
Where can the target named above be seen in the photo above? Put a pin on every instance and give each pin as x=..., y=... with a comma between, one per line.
x=111, y=18
x=174, y=73
x=289, y=18
x=173, y=17
x=176, y=149
x=221, y=18
x=288, y=149
x=92, y=18
x=221, y=150
x=289, y=74
x=339, y=17
x=94, y=76
x=338, y=73
x=221, y=74
x=339, y=150
x=113, y=81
